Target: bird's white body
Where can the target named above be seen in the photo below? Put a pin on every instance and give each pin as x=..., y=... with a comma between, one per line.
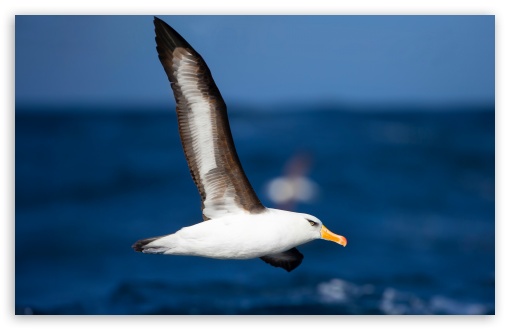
x=240, y=236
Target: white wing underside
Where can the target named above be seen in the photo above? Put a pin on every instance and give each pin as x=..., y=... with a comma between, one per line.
x=219, y=200
x=204, y=130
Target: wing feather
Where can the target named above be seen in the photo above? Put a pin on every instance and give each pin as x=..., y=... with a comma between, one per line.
x=204, y=129
x=287, y=260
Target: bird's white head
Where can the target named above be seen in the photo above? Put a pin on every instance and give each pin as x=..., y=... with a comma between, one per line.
x=320, y=231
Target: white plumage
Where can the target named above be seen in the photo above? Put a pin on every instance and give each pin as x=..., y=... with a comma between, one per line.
x=240, y=236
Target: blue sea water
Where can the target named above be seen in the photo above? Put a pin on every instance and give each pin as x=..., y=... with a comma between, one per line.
x=411, y=189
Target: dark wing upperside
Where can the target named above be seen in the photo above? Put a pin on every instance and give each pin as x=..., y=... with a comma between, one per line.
x=287, y=260
x=204, y=129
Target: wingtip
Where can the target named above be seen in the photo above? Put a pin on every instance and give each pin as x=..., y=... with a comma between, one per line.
x=158, y=22
x=167, y=36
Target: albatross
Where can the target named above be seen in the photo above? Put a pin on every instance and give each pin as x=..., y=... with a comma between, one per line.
x=235, y=223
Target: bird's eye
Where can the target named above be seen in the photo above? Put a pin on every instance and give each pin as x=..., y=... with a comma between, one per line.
x=312, y=223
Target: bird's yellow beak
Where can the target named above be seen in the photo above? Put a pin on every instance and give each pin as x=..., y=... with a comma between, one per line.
x=330, y=236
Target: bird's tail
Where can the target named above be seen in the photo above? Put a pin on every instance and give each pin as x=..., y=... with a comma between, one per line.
x=142, y=246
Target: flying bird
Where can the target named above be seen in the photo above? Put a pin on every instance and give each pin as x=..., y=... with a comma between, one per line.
x=236, y=225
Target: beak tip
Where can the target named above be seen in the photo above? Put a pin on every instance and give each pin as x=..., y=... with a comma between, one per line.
x=327, y=235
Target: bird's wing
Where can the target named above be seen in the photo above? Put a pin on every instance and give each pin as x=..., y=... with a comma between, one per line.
x=287, y=260
x=204, y=129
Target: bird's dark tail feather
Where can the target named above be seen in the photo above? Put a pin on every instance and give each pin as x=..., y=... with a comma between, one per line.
x=140, y=244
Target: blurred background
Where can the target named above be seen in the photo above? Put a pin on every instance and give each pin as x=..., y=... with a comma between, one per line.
x=381, y=126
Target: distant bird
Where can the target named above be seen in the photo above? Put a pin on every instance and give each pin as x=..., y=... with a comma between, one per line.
x=236, y=225
x=293, y=186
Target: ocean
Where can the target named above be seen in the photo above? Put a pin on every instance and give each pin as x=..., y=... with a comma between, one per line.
x=412, y=189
